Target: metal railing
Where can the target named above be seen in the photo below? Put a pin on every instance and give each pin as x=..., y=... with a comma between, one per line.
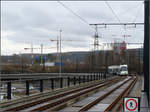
x=55, y=82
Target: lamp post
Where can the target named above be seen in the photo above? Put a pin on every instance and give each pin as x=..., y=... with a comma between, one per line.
x=60, y=55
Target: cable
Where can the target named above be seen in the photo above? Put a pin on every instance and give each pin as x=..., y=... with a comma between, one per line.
x=114, y=14
x=129, y=9
x=112, y=11
x=137, y=14
x=74, y=13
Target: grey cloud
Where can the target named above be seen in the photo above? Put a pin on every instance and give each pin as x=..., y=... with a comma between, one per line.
x=39, y=22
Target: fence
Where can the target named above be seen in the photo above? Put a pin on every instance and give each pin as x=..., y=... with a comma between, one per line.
x=53, y=83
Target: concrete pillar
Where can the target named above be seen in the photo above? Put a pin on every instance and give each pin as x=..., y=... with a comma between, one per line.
x=146, y=49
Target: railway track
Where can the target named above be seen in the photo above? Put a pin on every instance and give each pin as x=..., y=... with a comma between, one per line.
x=116, y=100
x=45, y=94
x=55, y=100
x=103, y=100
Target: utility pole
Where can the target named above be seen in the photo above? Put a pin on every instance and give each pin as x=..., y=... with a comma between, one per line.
x=42, y=58
x=60, y=54
x=58, y=47
x=57, y=42
x=92, y=61
x=109, y=24
x=32, y=53
x=96, y=43
x=96, y=46
x=41, y=54
x=21, y=61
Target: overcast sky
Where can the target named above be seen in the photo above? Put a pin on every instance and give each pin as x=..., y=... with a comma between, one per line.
x=25, y=22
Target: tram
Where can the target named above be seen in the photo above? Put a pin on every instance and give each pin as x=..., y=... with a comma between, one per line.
x=118, y=70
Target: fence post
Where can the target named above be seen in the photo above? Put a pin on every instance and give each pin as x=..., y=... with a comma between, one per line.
x=90, y=77
x=79, y=79
x=68, y=79
x=105, y=75
x=27, y=87
x=74, y=80
x=41, y=85
x=94, y=76
x=83, y=78
x=52, y=83
x=99, y=76
x=87, y=78
x=9, y=90
x=61, y=82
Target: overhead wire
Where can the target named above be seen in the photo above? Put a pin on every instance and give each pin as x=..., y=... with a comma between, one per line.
x=125, y=31
x=116, y=16
x=129, y=9
x=137, y=14
x=74, y=13
x=113, y=11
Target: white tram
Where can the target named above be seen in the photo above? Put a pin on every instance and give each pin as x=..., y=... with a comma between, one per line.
x=118, y=70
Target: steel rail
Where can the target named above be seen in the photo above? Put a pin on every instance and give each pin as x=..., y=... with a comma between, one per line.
x=39, y=95
x=35, y=96
x=88, y=106
x=119, y=99
x=44, y=94
x=54, y=97
x=58, y=102
x=68, y=98
x=65, y=104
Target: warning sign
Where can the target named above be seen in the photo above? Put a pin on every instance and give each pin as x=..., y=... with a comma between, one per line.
x=131, y=104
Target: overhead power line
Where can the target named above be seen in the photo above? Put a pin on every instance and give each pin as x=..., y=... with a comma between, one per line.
x=137, y=14
x=113, y=11
x=69, y=9
x=129, y=9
